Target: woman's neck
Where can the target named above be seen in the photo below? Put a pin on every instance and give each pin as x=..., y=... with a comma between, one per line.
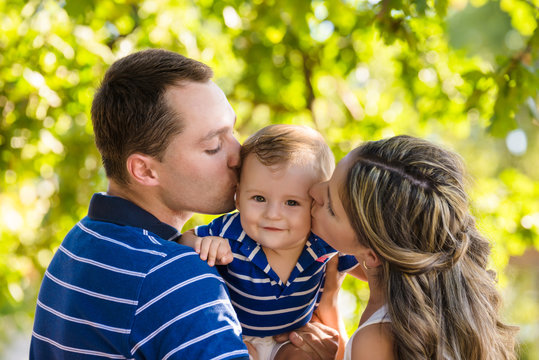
x=377, y=299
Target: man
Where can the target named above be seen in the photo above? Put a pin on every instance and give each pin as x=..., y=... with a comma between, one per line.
x=119, y=286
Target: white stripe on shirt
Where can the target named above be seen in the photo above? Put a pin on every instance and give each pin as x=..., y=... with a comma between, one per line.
x=172, y=259
x=242, y=235
x=232, y=288
x=77, y=350
x=308, y=277
x=89, y=292
x=106, y=238
x=269, y=312
x=200, y=338
x=231, y=353
x=179, y=317
x=300, y=293
x=152, y=239
x=254, y=252
x=99, y=264
x=229, y=221
x=176, y=287
x=312, y=253
x=240, y=257
x=248, y=278
x=82, y=321
x=269, y=328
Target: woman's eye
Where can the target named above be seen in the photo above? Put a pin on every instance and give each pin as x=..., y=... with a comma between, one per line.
x=330, y=210
x=292, y=203
x=258, y=198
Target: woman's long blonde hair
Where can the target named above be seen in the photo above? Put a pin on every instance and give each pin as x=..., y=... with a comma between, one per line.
x=405, y=199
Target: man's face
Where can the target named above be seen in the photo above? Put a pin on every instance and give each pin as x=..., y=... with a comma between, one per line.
x=198, y=172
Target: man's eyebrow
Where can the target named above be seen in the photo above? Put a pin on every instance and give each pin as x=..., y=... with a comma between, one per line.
x=216, y=132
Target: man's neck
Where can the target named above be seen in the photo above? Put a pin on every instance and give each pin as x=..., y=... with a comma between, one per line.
x=150, y=202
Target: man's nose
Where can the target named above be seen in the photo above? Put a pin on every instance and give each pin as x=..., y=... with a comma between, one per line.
x=234, y=155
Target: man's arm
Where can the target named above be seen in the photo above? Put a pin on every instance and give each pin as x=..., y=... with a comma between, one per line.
x=184, y=312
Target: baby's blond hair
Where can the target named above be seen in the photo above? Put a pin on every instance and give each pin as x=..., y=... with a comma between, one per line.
x=291, y=144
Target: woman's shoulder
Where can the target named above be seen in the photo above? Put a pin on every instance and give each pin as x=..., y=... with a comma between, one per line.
x=373, y=342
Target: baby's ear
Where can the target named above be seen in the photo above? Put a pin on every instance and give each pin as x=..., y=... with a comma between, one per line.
x=237, y=198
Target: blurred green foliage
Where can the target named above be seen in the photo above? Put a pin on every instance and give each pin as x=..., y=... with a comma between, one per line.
x=461, y=73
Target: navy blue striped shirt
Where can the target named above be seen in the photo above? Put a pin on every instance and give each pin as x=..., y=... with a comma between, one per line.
x=117, y=288
x=265, y=305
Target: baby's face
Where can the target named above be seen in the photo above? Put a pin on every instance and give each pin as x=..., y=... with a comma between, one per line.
x=275, y=204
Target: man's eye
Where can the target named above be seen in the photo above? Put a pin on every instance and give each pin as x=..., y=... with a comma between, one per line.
x=292, y=203
x=214, y=151
x=258, y=198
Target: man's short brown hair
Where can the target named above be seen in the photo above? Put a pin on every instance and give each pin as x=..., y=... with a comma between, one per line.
x=129, y=111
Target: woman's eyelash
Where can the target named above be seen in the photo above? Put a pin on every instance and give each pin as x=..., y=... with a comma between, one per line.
x=330, y=210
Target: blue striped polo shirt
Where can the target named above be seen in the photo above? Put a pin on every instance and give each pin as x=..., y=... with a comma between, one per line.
x=117, y=288
x=265, y=305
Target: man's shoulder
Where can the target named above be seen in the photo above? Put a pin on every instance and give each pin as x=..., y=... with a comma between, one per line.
x=143, y=249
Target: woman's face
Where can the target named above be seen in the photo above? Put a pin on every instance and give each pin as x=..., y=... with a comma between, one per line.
x=329, y=220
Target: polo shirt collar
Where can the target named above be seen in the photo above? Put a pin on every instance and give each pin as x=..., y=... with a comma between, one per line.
x=120, y=211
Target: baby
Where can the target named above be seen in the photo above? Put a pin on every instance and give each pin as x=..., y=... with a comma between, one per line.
x=273, y=265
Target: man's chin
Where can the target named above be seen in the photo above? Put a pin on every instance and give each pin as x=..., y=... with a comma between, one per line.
x=221, y=209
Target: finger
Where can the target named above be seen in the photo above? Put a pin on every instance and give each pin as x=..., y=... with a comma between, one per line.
x=212, y=252
x=225, y=259
x=224, y=253
x=204, y=248
x=281, y=337
x=198, y=241
x=253, y=353
x=316, y=338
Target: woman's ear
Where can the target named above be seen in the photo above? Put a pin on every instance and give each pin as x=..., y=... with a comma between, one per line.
x=141, y=169
x=371, y=259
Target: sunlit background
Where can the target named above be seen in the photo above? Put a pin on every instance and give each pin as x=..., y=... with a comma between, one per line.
x=461, y=73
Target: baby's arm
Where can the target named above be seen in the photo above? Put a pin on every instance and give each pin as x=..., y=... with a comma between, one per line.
x=214, y=249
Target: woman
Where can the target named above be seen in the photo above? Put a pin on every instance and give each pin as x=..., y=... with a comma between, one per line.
x=400, y=207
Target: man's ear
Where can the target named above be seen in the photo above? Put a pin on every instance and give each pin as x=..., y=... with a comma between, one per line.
x=142, y=170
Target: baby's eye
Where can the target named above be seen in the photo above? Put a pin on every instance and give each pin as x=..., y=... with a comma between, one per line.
x=258, y=198
x=292, y=203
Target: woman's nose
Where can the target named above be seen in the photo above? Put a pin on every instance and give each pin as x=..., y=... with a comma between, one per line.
x=234, y=155
x=314, y=191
